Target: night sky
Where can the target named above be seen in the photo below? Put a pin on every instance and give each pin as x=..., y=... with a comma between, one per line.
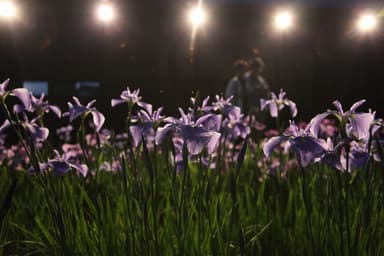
x=321, y=60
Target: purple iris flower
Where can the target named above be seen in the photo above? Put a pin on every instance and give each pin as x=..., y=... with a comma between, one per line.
x=195, y=136
x=132, y=98
x=221, y=103
x=235, y=126
x=225, y=106
x=38, y=134
x=147, y=122
x=306, y=147
x=356, y=125
x=61, y=164
x=277, y=103
x=76, y=110
x=39, y=106
x=205, y=108
x=21, y=93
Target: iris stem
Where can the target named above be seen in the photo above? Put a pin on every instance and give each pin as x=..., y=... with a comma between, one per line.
x=307, y=209
x=346, y=202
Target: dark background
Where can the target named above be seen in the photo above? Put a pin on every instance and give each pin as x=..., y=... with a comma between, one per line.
x=323, y=59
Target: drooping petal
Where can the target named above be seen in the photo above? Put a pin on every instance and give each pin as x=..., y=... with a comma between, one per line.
x=307, y=149
x=115, y=102
x=76, y=111
x=213, y=142
x=98, y=119
x=56, y=110
x=139, y=131
x=23, y=95
x=38, y=133
x=162, y=132
x=81, y=168
x=146, y=106
x=263, y=104
x=314, y=125
x=293, y=108
x=273, y=109
x=271, y=144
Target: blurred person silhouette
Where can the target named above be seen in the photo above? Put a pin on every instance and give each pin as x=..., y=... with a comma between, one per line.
x=256, y=87
x=236, y=85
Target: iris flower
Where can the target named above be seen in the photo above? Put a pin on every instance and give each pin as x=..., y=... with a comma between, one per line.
x=21, y=93
x=277, y=103
x=306, y=147
x=38, y=134
x=354, y=124
x=195, y=135
x=146, y=124
x=38, y=105
x=132, y=98
x=61, y=164
x=76, y=110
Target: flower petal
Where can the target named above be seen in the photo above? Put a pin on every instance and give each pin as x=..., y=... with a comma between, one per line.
x=98, y=119
x=338, y=107
x=314, y=125
x=263, y=104
x=273, y=109
x=196, y=138
x=272, y=143
x=5, y=126
x=56, y=110
x=162, y=132
x=115, y=102
x=3, y=86
x=139, y=131
x=23, y=95
x=293, y=108
x=356, y=105
x=81, y=168
x=307, y=149
x=146, y=106
x=360, y=124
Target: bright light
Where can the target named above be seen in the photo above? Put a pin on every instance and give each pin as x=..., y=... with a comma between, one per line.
x=105, y=13
x=197, y=16
x=7, y=10
x=367, y=23
x=283, y=20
